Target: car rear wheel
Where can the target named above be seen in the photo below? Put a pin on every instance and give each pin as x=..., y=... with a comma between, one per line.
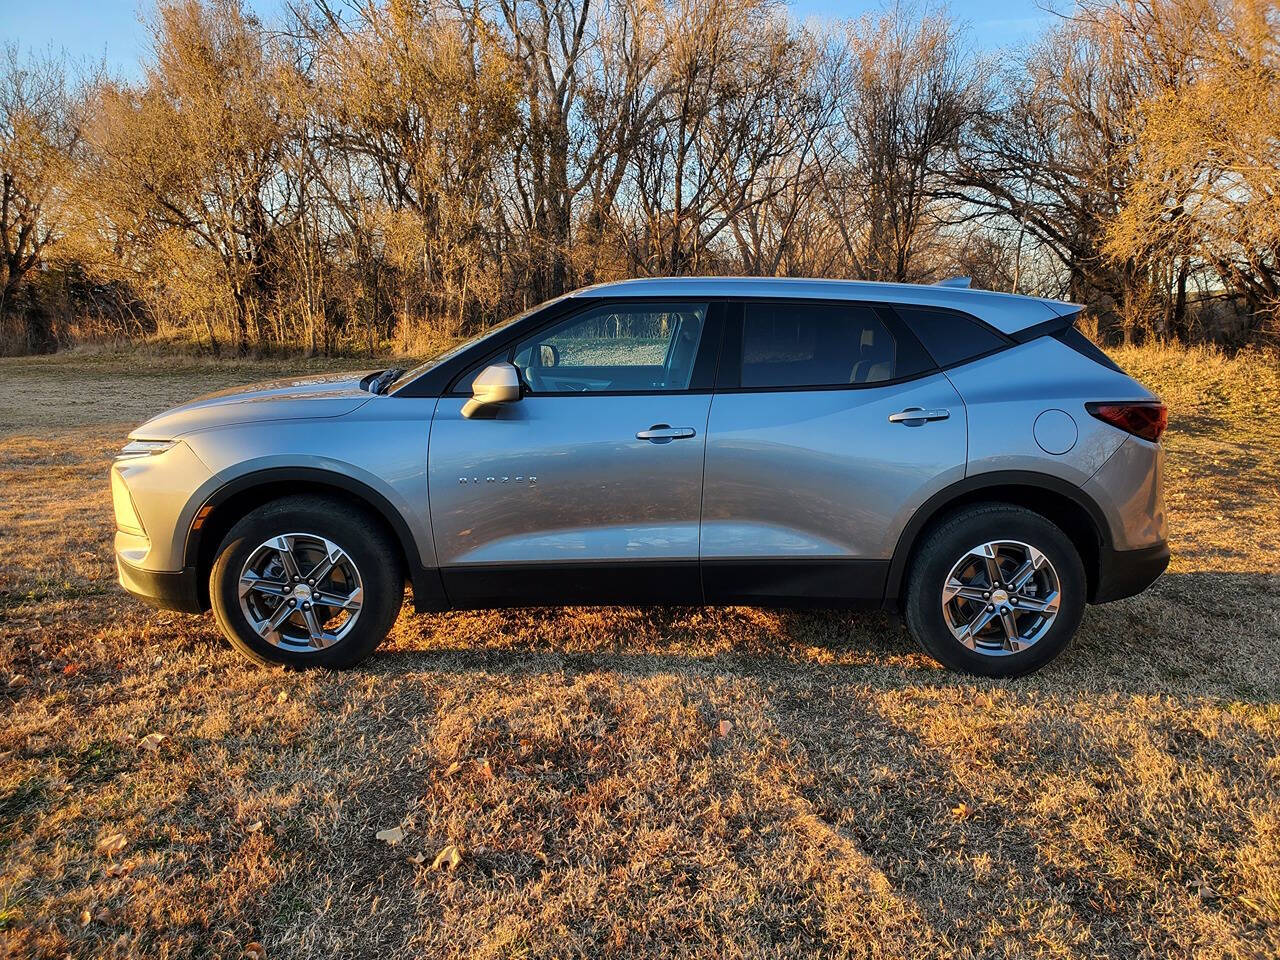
x=995, y=590
x=306, y=581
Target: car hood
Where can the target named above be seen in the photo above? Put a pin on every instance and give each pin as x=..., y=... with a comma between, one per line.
x=294, y=398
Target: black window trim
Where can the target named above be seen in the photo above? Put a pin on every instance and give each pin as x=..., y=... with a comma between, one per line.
x=705, y=362
x=729, y=376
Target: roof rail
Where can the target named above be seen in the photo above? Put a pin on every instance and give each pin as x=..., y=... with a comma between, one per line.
x=963, y=282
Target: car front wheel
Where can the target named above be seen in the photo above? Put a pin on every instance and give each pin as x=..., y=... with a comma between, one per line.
x=306, y=581
x=995, y=590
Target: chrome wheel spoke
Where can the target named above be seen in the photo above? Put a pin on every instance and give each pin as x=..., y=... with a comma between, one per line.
x=333, y=557
x=290, y=563
x=271, y=626
x=1012, y=637
x=351, y=602
x=1047, y=604
x=253, y=581
x=955, y=588
x=971, y=629
x=318, y=638
x=988, y=554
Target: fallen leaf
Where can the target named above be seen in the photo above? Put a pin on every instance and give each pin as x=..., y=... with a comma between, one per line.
x=71, y=668
x=152, y=741
x=254, y=951
x=253, y=827
x=449, y=857
x=119, y=869
x=85, y=917
x=110, y=846
x=725, y=727
x=962, y=812
x=284, y=695
x=453, y=768
x=17, y=680
x=103, y=915
x=417, y=859
x=390, y=836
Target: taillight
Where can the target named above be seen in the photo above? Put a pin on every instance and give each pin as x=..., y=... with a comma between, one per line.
x=1144, y=418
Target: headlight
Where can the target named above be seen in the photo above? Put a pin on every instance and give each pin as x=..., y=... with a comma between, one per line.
x=144, y=448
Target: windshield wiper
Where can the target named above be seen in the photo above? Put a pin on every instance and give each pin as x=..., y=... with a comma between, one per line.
x=383, y=380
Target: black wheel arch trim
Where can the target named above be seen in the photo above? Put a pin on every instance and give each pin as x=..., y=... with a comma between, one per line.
x=964, y=489
x=428, y=590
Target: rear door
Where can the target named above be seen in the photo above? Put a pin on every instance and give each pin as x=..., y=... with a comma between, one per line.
x=830, y=425
x=587, y=489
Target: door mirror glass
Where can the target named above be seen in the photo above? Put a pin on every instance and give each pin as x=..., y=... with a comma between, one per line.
x=496, y=383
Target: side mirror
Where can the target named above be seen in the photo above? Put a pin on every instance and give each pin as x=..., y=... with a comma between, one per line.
x=496, y=383
x=548, y=355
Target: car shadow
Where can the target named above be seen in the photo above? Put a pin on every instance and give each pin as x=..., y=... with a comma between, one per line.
x=1202, y=634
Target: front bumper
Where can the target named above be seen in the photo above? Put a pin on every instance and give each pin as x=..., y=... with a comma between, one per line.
x=1123, y=573
x=169, y=591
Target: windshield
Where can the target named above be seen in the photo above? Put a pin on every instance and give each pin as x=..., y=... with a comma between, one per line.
x=410, y=375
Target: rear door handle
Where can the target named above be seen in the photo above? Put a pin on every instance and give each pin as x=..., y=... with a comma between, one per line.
x=914, y=416
x=665, y=433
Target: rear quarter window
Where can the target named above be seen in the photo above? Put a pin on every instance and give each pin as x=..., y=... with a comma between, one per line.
x=951, y=337
x=1081, y=344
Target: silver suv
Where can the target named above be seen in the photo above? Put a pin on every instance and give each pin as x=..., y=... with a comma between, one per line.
x=965, y=458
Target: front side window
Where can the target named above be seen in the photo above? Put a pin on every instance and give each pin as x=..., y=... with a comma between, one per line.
x=822, y=345
x=615, y=347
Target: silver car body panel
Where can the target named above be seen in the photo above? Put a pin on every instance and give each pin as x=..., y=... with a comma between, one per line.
x=1129, y=489
x=824, y=473
x=299, y=398
x=558, y=479
x=1006, y=393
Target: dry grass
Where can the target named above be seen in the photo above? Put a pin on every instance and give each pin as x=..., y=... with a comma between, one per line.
x=619, y=781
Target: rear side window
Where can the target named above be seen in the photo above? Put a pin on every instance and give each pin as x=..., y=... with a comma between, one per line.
x=950, y=337
x=1078, y=342
x=789, y=344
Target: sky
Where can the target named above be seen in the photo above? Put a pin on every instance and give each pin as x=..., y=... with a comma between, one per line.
x=113, y=30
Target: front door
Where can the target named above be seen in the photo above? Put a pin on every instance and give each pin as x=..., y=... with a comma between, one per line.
x=587, y=489
x=830, y=427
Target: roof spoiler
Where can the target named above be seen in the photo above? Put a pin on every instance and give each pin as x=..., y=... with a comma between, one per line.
x=962, y=282
x=1067, y=315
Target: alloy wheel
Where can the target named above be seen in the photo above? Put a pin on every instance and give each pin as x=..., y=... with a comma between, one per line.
x=301, y=592
x=1001, y=597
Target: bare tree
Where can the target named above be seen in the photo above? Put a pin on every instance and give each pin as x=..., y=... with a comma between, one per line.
x=39, y=131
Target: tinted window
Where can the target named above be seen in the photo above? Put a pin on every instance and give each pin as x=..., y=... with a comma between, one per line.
x=1081, y=344
x=822, y=345
x=626, y=347
x=950, y=337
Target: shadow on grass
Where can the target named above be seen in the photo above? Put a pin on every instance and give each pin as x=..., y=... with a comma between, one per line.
x=1202, y=634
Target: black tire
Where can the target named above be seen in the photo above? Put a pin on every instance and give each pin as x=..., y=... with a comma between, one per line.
x=364, y=540
x=946, y=543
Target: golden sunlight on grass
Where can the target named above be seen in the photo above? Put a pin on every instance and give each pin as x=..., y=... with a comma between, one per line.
x=617, y=781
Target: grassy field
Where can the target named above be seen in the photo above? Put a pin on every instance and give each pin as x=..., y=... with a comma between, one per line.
x=712, y=783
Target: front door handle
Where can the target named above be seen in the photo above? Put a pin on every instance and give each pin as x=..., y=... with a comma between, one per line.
x=665, y=433
x=915, y=416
